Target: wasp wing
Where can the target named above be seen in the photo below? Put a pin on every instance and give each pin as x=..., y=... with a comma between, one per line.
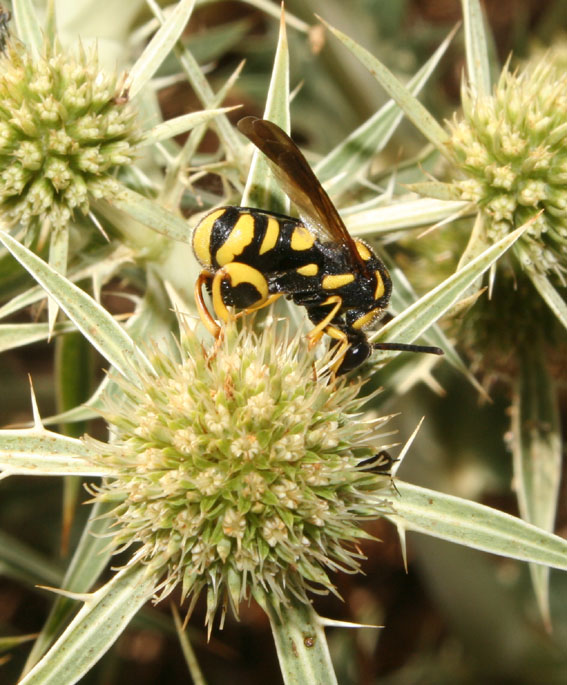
x=300, y=184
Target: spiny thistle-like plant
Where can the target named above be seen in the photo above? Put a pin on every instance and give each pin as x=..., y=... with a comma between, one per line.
x=64, y=133
x=511, y=146
x=237, y=469
x=240, y=470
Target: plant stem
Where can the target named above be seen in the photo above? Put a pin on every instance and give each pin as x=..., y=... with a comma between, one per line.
x=300, y=640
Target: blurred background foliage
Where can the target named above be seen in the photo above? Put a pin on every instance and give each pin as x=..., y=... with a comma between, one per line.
x=455, y=615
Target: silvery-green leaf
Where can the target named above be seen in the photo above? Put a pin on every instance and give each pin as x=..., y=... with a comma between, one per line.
x=18, y=334
x=550, y=295
x=102, y=270
x=159, y=47
x=28, y=24
x=174, y=184
x=478, y=68
x=262, y=189
x=412, y=322
x=145, y=324
x=89, y=409
x=537, y=454
x=181, y=124
x=478, y=242
x=229, y=140
x=187, y=648
x=338, y=169
x=412, y=108
x=85, y=412
x=150, y=213
x=475, y=525
x=408, y=213
x=43, y=453
x=89, y=560
x=96, y=324
x=273, y=10
x=303, y=653
x=21, y=301
x=58, y=251
x=94, y=630
x=403, y=297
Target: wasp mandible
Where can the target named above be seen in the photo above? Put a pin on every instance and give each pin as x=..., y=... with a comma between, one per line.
x=250, y=257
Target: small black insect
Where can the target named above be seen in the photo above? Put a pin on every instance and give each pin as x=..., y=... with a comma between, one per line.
x=381, y=463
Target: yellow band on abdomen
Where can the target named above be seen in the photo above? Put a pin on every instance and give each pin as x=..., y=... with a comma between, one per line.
x=202, y=236
x=238, y=240
x=270, y=236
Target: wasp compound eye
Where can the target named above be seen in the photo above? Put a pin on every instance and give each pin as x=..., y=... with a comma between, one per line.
x=355, y=355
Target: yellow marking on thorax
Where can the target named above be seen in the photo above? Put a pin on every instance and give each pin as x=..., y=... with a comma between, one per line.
x=301, y=239
x=363, y=250
x=379, y=285
x=335, y=281
x=202, y=236
x=238, y=240
x=308, y=270
x=271, y=236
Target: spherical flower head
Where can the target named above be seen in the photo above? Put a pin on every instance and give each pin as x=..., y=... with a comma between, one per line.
x=512, y=148
x=239, y=468
x=64, y=132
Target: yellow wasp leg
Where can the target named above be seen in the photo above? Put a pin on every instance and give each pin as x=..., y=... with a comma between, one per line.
x=210, y=324
x=343, y=346
x=261, y=305
x=317, y=333
x=236, y=273
x=218, y=303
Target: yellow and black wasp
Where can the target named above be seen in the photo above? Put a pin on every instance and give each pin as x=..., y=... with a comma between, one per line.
x=250, y=257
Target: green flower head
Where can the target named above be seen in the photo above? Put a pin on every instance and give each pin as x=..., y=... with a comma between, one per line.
x=241, y=469
x=511, y=145
x=63, y=134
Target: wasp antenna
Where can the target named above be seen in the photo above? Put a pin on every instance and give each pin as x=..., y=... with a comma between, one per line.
x=402, y=347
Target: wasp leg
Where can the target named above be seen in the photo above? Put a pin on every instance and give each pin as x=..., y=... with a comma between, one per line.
x=341, y=346
x=316, y=333
x=210, y=324
x=236, y=274
x=261, y=305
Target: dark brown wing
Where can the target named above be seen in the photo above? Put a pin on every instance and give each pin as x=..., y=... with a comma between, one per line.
x=300, y=184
